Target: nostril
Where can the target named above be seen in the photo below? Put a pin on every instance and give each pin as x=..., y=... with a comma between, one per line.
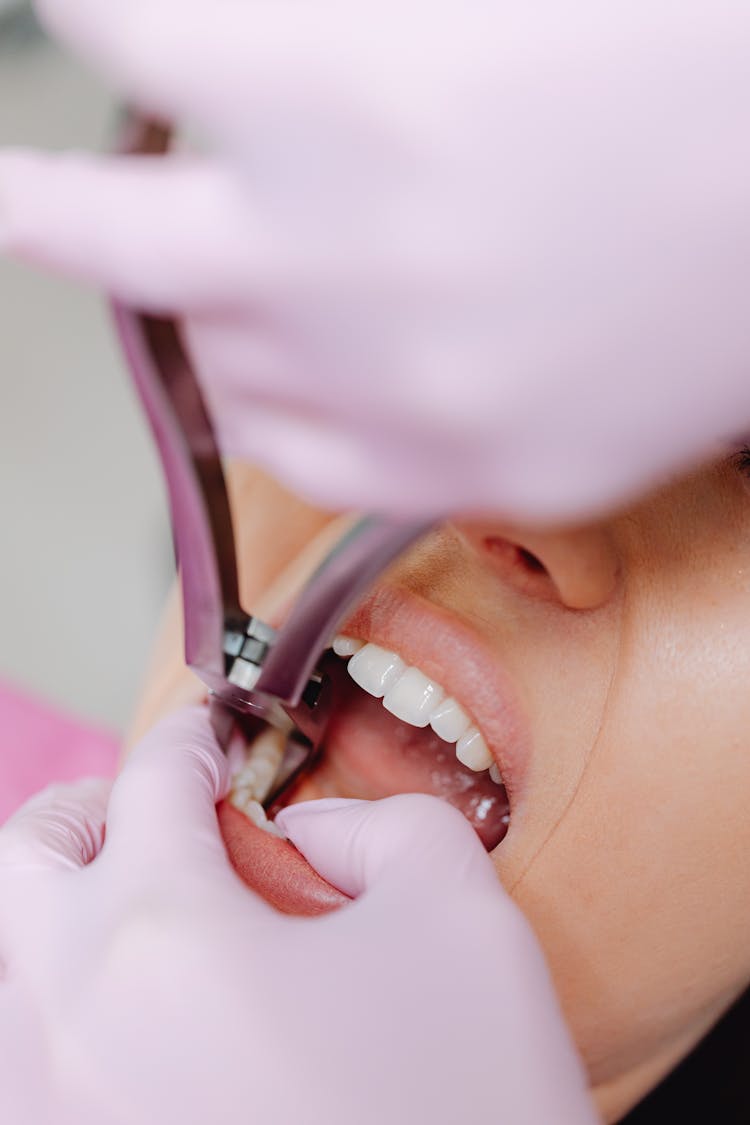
x=514, y=554
x=577, y=568
x=531, y=562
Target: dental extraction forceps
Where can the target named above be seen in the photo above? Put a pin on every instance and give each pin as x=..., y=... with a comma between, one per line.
x=252, y=671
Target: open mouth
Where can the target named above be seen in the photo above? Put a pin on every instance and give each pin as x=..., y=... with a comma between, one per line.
x=395, y=728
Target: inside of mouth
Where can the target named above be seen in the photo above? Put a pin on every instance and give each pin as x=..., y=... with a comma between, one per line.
x=369, y=754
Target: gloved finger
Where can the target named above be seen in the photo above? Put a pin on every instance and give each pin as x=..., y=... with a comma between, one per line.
x=398, y=843
x=162, y=812
x=111, y=36
x=62, y=827
x=178, y=57
x=286, y=438
x=352, y=470
x=286, y=442
x=165, y=234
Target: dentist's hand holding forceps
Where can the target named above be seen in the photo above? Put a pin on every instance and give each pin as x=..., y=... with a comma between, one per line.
x=493, y=256
x=143, y=983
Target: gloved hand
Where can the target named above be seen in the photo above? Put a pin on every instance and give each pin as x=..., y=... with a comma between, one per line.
x=143, y=982
x=439, y=258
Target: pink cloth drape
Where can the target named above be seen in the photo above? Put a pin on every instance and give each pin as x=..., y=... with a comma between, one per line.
x=40, y=744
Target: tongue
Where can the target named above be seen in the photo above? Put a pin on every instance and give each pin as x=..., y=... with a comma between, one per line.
x=370, y=754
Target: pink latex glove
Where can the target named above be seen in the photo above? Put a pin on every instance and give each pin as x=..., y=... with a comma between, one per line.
x=144, y=983
x=440, y=257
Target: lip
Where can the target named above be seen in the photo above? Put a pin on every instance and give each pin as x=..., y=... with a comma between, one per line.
x=449, y=651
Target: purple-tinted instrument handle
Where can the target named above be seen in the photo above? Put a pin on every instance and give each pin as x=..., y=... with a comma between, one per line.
x=201, y=517
x=332, y=592
x=184, y=437
x=204, y=538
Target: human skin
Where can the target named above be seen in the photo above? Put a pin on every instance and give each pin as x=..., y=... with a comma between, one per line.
x=626, y=646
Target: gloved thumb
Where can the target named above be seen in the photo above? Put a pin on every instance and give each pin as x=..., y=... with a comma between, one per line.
x=398, y=842
x=162, y=812
x=61, y=827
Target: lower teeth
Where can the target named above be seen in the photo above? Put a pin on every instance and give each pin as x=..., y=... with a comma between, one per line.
x=256, y=769
x=254, y=812
x=259, y=764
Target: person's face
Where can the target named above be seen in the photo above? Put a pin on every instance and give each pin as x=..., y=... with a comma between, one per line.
x=620, y=655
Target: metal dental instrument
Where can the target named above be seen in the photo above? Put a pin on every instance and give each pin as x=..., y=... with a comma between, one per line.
x=252, y=671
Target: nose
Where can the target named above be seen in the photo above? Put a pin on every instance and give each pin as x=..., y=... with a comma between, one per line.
x=577, y=567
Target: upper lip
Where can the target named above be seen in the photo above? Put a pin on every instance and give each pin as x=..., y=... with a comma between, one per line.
x=449, y=651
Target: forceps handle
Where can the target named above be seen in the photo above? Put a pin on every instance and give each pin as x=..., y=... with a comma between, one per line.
x=201, y=516
x=339, y=582
x=204, y=537
x=181, y=426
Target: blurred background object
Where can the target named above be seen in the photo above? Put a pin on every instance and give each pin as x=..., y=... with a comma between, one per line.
x=7, y=6
x=86, y=552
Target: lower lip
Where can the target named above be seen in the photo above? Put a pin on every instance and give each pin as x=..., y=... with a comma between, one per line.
x=274, y=869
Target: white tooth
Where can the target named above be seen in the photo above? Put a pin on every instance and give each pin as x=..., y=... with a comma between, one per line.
x=263, y=758
x=449, y=722
x=347, y=646
x=413, y=698
x=236, y=752
x=254, y=811
x=375, y=669
x=471, y=749
x=495, y=774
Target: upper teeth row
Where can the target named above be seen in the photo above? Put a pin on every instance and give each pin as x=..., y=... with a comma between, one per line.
x=414, y=698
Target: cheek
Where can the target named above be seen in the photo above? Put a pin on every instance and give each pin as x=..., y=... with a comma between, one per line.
x=566, y=665
x=639, y=895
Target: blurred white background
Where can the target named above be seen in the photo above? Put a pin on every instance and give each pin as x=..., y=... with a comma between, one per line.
x=86, y=552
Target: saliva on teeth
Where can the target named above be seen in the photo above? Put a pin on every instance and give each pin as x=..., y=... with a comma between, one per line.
x=414, y=698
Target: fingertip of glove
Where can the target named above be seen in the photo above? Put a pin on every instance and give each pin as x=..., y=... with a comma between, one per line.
x=186, y=735
x=10, y=164
x=296, y=818
x=29, y=212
